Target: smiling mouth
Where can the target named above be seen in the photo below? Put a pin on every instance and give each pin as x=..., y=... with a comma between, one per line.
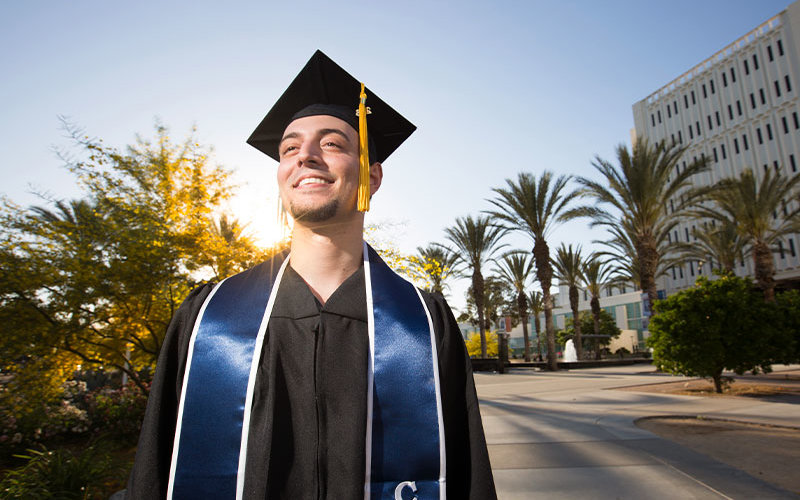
x=311, y=181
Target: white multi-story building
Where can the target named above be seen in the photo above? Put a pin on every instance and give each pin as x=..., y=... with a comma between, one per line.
x=740, y=108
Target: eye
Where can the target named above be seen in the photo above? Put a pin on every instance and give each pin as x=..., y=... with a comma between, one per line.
x=330, y=144
x=287, y=149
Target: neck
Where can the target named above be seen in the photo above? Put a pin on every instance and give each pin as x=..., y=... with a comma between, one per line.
x=326, y=256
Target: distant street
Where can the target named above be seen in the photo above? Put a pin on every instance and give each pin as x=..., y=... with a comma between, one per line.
x=565, y=435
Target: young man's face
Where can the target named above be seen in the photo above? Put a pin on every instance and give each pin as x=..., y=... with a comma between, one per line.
x=318, y=171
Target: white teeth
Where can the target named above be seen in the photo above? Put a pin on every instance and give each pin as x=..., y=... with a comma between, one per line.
x=311, y=180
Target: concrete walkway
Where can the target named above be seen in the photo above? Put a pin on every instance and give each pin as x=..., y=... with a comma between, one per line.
x=564, y=435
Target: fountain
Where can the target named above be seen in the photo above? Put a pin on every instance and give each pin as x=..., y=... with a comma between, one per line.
x=570, y=355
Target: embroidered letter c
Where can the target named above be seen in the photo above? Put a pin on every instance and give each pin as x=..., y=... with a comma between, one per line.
x=398, y=492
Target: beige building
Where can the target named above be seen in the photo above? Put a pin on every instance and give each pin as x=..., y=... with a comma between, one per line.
x=740, y=109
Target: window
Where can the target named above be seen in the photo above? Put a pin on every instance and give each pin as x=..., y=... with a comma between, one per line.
x=710, y=125
x=694, y=101
x=659, y=115
x=685, y=101
x=769, y=53
x=788, y=83
x=687, y=233
x=780, y=249
x=675, y=106
x=712, y=86
x=724, y=80
x=775, y=165
x=763, y=96
x=738, y=107
x=780, y=53
x=758, y=135
x=672, y=209
x=746, y=68
x=796, y=120
x=676, y=235
x=785, y=125
x=680, y=270
x=673, y=272
x=705, y=94
x=733, y=75
x=672, y=137
x=724, y=154
x=680, y=137
x=792, y=163
x=744, y=141
x=697, y=128
x=730, y=112
x=777, y=89
x=752, y=100
x=669, y=112
x=769, y=131
x=716, y=114
x=691, y=267
x=716, y=160
x=735, y=146
x=791, y=248
x=755, y=62
x=653, y=119
x=691, y=135
x=766, y=168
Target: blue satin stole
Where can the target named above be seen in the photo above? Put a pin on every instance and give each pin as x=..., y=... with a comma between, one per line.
x=405, y=435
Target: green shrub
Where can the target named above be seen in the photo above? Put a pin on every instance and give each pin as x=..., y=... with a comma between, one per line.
x=61, y=474
x=716, y=325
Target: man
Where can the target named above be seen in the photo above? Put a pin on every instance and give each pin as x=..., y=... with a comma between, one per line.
x=321, y=374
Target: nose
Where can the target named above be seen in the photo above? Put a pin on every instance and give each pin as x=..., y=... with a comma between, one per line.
x=309, y=154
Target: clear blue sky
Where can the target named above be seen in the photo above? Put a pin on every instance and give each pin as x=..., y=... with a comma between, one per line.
x=495, y=88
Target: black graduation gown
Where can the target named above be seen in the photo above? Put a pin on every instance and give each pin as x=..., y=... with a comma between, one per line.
x=308, y=420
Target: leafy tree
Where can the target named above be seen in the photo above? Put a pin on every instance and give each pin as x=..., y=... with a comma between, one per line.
x=638, y=190
x=533, y=207
x=99, y=278
x=755, y=206
x=606, y=332
x=433, y=265
x=514, y=269
x=229, y=250
x=496, y=303
x=787, y=320
x=716, y=325
x=568, y=266
x=476, y=241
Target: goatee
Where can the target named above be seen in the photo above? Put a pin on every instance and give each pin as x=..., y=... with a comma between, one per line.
x=315, y=214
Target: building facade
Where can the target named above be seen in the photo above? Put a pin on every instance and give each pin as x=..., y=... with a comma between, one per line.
x=740, y=109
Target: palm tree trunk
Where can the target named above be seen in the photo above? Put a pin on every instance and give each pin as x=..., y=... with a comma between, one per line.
x=544, y=272
x=595, y=305
x=538, y=324
x=648, y=261
x=576, y=322
x=764, y=269
x=477, y=290
x=522, y=304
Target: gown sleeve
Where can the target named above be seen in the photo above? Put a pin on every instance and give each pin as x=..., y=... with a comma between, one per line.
x=150, y=473
x=469, y=473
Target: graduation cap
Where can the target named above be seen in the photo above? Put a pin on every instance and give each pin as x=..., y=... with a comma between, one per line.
x=323, y=88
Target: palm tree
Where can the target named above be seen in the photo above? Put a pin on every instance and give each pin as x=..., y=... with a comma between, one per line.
x=514, y=269
x=622, y=252
x=595, y=274
x=721, y=244
x=755, y=207
x=536, y=304
x=533, y=208
x=476, y=241
x=437, y=264
x=639, y=189
x=568, y=266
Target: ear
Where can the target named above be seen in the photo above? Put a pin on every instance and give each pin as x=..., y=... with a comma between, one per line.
x=375, y=177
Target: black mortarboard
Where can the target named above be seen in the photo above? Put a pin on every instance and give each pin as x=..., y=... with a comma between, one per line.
x=323, y=88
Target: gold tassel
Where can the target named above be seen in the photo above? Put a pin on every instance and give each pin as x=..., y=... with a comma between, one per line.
x=363, y=156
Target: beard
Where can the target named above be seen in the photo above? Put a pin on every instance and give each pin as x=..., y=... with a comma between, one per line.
x=314, y=214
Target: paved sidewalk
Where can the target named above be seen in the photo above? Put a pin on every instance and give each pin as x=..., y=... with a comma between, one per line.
x=563, y=435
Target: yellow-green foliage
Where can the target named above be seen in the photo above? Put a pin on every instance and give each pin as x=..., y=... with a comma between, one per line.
x=474, y=345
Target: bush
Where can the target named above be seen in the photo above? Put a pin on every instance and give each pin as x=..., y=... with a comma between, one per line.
x=474, y=345
x=714, y=326
x=117, y=413
x=61, y=474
